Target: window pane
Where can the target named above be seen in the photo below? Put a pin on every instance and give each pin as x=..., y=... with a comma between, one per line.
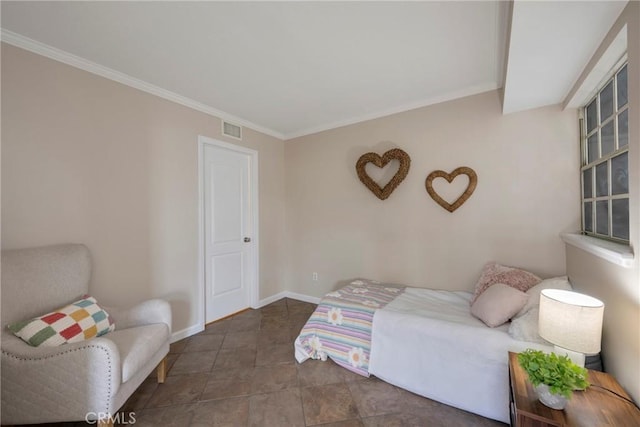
x=602, y=217
x=622, y=87
x=592, y=148
x=592, y=116
x=620, y=174
x=620, y=218
x=606, y=102
x=602, y=180
x=623, y=129
x=588, y=217
x=587, y=187
x=607, y=140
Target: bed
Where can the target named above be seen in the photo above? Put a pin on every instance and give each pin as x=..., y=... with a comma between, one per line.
x=423, y=340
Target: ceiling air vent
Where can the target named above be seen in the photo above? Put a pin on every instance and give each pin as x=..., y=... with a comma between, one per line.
x=229, y=129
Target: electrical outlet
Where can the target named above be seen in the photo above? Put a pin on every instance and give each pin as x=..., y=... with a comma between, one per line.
x=314, y=276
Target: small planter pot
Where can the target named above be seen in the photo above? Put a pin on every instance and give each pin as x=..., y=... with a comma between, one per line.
x=553, y=401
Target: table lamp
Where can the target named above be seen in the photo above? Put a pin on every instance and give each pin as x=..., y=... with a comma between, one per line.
x=572, y=322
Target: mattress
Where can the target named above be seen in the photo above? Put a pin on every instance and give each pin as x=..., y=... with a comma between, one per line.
x=426, y=341
x=423, y=340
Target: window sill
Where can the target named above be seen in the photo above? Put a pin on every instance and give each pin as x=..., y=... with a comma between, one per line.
x=616, y=253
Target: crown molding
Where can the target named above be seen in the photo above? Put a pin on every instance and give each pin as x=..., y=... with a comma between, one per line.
x=473, y=90
x=75, y=61
x=59, y=55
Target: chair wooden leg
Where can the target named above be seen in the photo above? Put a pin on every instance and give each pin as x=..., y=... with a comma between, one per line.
x=105, y=423
x=162, y=370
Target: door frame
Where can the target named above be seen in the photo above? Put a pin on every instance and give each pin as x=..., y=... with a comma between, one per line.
x=253, y=197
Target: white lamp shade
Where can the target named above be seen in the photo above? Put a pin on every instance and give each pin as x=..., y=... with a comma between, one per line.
x=571, y=320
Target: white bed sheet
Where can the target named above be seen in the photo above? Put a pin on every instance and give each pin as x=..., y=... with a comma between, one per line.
x=427, y=341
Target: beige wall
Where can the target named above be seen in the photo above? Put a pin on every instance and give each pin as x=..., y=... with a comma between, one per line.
x=527, y=194
x=88, y=160
x=85, y=159
x=619, y=287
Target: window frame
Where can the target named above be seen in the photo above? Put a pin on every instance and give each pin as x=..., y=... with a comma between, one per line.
x=612, y=78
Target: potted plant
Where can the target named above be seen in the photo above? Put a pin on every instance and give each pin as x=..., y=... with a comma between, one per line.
x=554, y=377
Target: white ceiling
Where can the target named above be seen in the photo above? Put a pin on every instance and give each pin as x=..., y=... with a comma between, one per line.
x=550, y=44
x=294, y=68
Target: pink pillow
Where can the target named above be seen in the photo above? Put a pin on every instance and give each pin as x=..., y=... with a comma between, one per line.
x=514, y=277
x=498, y=304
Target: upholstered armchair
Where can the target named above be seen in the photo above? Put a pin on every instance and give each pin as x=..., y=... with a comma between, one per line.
x=77, y=381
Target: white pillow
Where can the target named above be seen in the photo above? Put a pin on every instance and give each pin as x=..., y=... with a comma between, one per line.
x=534, y=293
x=498, y=304
x=525, y=328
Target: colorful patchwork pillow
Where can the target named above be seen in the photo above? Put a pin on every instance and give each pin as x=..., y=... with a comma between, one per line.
x=516, y=278
x=76, y=322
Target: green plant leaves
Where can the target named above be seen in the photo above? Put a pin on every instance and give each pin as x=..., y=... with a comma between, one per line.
x=558, y=372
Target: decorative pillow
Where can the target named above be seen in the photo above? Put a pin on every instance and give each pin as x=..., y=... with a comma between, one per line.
x=525, y=328
x=498, y=304
x=78, y=321
x=493, y=273
x=534, y=293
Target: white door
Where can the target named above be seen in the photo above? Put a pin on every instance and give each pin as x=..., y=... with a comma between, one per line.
x=229, y=241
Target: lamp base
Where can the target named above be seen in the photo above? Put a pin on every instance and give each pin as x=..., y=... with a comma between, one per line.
x=577, y=358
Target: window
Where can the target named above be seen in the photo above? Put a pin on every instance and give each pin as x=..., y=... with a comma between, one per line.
x=605, y=161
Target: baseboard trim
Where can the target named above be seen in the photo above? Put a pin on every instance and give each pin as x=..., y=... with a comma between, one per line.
x=287, y=294
x=302, y=297
x=194, y=329
x=186, y=332
x=269, y=300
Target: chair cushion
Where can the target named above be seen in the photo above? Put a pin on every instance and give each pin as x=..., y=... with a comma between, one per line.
x=138, y=345
x=75, y=322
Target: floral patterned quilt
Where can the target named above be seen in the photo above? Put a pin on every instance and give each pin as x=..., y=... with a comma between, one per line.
x=340, y=327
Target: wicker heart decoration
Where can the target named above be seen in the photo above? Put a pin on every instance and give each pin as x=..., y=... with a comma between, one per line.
x=382, y=161
x=473, y=181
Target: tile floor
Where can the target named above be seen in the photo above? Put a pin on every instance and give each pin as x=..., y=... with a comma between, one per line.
x=241, y=372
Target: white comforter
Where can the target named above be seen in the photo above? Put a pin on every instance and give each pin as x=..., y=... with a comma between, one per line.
x=427, y=341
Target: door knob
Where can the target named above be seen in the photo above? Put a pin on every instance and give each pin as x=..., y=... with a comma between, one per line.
x=247, y=239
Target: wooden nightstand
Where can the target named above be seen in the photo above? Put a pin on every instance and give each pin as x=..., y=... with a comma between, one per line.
x=592, y=407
